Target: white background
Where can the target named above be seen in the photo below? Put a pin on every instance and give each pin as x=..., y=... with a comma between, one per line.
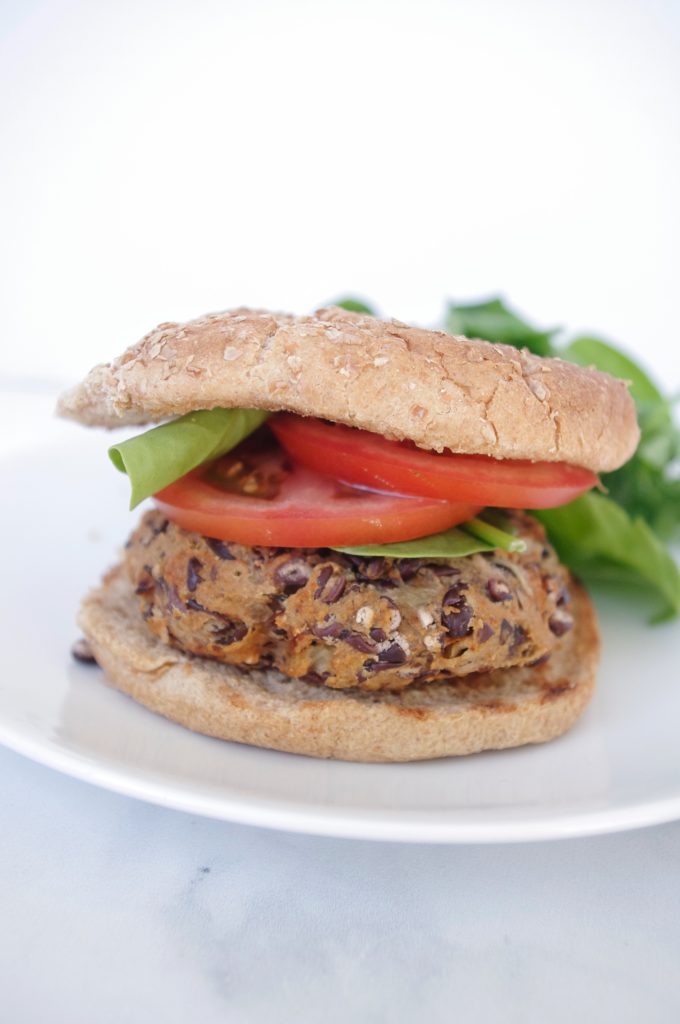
x=161, y=159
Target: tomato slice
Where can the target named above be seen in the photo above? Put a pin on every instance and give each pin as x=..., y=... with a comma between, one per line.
x=365, y=459
x=256, y=495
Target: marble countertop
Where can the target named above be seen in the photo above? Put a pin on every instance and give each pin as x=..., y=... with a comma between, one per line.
x=117, y=911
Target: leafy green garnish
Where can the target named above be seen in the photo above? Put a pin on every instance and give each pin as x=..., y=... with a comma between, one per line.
x=467, y=539
x=493, y=321
x=598, y=539
x=454, y=543
x=494, y=535
x=160, y=456
x=587, y=351
x=353, y=305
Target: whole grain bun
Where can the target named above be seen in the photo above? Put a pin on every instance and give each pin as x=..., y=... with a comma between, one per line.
x=402, y=382
x=494, y=710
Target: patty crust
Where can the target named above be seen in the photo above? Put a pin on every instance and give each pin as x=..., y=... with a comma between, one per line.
x=344, y=621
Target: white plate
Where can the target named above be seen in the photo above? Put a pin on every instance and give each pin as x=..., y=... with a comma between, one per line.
x=64, y=516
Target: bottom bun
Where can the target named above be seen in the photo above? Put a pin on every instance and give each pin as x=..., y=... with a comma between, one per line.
x=460, y=715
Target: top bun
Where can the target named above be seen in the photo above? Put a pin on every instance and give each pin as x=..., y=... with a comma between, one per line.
x=403, y=382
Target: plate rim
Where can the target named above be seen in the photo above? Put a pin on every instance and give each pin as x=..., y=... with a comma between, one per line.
x=339, y=823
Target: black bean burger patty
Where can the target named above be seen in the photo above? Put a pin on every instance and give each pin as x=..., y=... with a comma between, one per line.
x=344, y=621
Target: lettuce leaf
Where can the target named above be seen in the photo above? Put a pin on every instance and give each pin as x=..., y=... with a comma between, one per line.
x=599, y=540
x=353, y=305
x=493, y=321
x=160, y=456
x=494, y=528
x=454, y=543
x=468, y=539
x=589, y=351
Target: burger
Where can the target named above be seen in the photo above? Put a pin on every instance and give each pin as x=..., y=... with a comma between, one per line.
x=337, y=561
